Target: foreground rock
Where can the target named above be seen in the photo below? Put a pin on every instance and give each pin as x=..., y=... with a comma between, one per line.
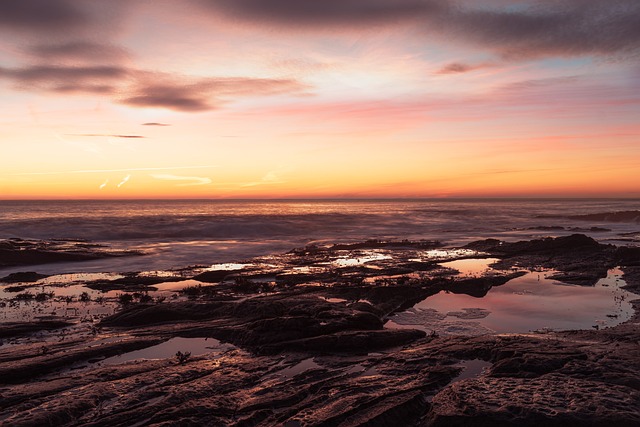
x=15, y=252
x=310, y=349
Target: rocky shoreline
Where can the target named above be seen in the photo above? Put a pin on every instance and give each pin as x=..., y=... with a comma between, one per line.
x=309, y=347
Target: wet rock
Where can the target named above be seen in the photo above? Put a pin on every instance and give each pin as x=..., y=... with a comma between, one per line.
x=591, y=229
x=215, y=276
x=478, y=286
x=255, y=322
x=547, y=228
x=377, y=244
x=153, y=314
x=131, y=282
x=545, y=401
x=531, y=365
x=551, y=246
x=357, y=341
x=17, y=329
x=24, y=363
x=320, y=355
x=628, y=256
x=579, y=258
x=632, y=278
x=23, y=277
x=15, y=252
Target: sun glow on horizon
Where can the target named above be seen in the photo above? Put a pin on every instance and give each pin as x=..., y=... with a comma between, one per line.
x=233, y=102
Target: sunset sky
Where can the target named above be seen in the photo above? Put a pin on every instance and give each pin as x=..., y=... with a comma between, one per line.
x=319, y=98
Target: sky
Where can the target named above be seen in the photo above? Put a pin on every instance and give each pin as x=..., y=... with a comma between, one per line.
x=319, y=99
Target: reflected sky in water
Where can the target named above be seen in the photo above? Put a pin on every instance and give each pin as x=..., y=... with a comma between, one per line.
x=527, y=303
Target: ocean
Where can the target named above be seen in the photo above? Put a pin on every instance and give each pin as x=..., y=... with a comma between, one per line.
x=181, y=233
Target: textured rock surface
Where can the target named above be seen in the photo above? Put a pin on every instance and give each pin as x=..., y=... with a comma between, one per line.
x=316, y=354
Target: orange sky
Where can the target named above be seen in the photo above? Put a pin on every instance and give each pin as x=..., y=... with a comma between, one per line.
x=276, y=98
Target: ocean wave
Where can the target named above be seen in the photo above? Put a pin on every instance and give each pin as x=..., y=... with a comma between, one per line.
x=620, y=216
x=200, y=226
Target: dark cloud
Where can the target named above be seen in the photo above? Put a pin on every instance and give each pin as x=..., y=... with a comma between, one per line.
x=570, y=28
x=155, y=124
x=163, y=97
x=205, y=94
x=93, y=79
x=42, y=15
x=79, y=50
x=107, y=135
x=145, y=89
x=187, y=97
x=512, y=29
x=460, y=68
x=326, y=12
x=564, y=81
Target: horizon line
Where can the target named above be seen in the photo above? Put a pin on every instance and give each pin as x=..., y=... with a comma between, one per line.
x=267, y=199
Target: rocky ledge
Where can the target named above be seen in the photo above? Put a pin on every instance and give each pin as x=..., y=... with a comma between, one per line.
x=16, y=252
x=307, y=346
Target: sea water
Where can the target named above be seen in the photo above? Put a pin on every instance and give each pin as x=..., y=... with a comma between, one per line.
x=180, y=233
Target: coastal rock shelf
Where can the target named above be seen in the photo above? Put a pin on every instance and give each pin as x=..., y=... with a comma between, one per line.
x=303, y=339
x=16, y=252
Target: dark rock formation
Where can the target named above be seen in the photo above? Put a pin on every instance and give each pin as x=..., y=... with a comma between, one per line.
x=15, y=252
x=316, y=353
x=23, y=277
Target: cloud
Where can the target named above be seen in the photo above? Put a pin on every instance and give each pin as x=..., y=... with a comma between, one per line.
x=519, y=30
x=138, y=88
x=42, y=15
x=557, y=28
x=537, y=84
x=106, y=135
x=203, y=94
x=104, y=184
x=155, y=124
x=124, y=181
x=194, y=180
x=270, y=178
x=79, y=50
x=460, y=68
x=91, y=79
x=62, y=20
x=82, y=171
x=188, y=98
x=326, y=12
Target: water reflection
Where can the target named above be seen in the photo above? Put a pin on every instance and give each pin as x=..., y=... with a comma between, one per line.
x=472, y=266
x=527, y=303
x=168, y=349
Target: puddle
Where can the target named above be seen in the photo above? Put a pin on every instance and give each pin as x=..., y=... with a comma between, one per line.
x=229, y=266
x=334, y=300
x=445, y=254
x=168, y=349
x=359, y=260
x=362, y=371
x=78, y=277
x=298, y=368
x=472, y=266
x=177, y=286
x=471, y=369
x=527, y=303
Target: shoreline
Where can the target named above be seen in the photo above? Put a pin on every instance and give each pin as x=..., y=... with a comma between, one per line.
x=309, y=321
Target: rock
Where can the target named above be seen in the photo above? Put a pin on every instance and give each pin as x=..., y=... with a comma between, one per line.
x=16, y=329
x=23, y=277
x=544, y=401
x=317, y=353
x=30, y=252
x=351, y=341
